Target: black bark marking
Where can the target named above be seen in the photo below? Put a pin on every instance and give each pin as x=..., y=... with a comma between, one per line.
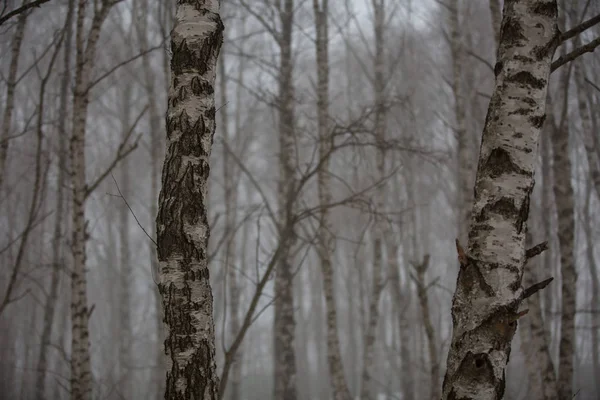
x=523, y=213
x=526, y=78
x=545, y=8
x=498, y=68
x=470, y=278
x=512, y=32
x=499, y=162
x=537, y=120
x=520, y=111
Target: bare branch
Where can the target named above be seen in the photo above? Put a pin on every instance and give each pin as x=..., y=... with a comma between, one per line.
x=533, y=289
x=122, y=152
x=587, y=48
x=580, y=28
x=22, y=9
x=536, y=250
x=123, y=63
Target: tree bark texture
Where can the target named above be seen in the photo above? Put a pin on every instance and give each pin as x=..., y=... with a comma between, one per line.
x=182, y=223
x=285, y=370
x=488, y=292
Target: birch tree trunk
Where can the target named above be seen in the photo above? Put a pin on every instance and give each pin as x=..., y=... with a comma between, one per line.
x=57, y=250
x=182, y=223
x=381, y=226
x=326, y=241
x=488, y=291
x=285, y=373
x=11, y=83
x=465, y=150
x=563, y=194
x=81, y=374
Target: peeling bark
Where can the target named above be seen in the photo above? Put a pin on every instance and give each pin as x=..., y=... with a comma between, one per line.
x=488, y=291
x=182, y=222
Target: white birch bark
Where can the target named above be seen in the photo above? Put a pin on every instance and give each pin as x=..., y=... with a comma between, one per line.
x=182, y=220
x=488, y=291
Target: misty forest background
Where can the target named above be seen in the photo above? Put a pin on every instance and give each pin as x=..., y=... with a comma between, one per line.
x=429, y=63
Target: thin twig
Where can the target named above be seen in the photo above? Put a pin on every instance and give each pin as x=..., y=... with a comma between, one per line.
x=129, y=207
x=587, y=48
x=533, y=289
x=536, y=250
x=21, y=9
x=580, y=28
